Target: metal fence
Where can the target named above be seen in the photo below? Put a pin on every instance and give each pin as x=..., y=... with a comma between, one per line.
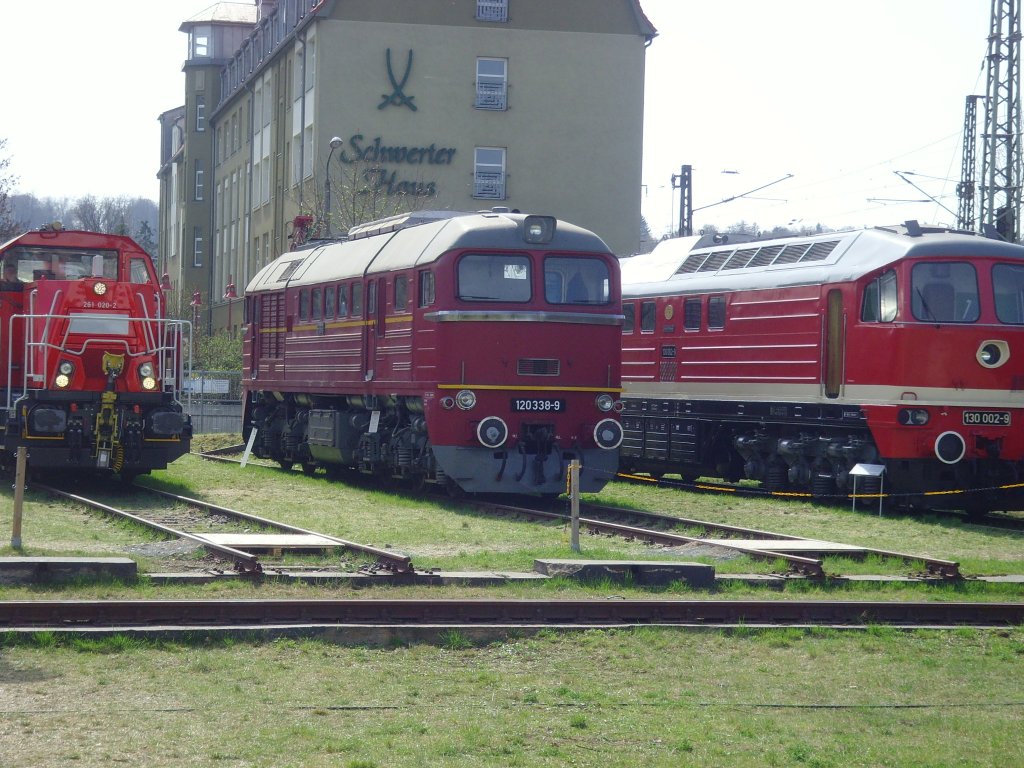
x=214, y=401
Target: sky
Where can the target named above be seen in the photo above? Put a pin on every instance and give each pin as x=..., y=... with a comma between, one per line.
x=841, y=94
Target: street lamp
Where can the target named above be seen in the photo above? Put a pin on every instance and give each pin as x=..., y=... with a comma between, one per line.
x=335, y=143
x=229, y=295
x=196, y=303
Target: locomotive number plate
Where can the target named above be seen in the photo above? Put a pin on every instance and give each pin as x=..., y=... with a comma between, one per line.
x=987, y=418
x=538, y=404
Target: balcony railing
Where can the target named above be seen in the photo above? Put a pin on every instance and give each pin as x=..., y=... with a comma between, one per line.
x=491, y=96
x=489, y=185
x=492, y=10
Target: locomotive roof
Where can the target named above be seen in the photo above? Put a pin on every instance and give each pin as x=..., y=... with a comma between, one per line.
x=697, y=264
x=410, y=241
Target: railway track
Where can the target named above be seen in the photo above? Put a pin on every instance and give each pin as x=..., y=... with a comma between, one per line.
x=802, y=555
x=205, y=523
x=1004, y=520
x=140, y=614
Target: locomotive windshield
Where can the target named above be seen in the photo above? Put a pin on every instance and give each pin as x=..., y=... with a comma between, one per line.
x=494, y=277
x=1008, y=284
x=575, y=280
x=34, y=263
x=944, y=292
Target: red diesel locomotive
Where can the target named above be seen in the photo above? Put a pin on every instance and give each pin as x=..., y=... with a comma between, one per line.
x=476, y=351
x=91, y=366
x=791, y=361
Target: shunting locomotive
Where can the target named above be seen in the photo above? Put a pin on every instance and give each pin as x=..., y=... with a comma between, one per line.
x=92, y=367
x=793, y=361
x=476, y=351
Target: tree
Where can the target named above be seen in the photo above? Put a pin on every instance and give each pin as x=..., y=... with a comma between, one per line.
x=361, y=192
x=9, y=226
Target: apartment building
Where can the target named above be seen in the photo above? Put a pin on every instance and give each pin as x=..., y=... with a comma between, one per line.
x=347, y=110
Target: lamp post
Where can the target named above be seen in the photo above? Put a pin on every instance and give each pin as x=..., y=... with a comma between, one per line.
x=229, y=296
x=335, y=143
x=196, y=303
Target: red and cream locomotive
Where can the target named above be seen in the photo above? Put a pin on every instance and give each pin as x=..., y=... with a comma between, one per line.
x=91, y=366
x=791, y=361
x=477, y=351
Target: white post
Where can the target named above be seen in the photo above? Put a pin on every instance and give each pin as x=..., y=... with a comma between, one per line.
x=19, y=495
x=248, y=446
x=574, y=499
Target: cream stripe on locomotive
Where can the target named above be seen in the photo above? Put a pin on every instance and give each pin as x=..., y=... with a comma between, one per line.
x=808, y=393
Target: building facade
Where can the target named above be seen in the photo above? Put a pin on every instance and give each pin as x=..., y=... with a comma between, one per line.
x=350, y=110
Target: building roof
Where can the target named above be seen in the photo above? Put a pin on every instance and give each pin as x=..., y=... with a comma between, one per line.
x=224, y=13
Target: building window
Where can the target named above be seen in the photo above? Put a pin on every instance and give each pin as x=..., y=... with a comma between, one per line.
x=489, y=173
x=200, y=114
x=197, y=247
x=201, y=42
x=199, y=180
x=491, y=84
x=492, y=10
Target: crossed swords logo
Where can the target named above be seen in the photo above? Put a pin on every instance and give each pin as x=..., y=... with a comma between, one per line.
x=397, y=97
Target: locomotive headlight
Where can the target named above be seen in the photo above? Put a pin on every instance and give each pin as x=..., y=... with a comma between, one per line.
x=608, y=434
x=604, y=402
x=993, y=353
x=66, y=367
x=62, y=381
x=492, y=432
x=539, y=229
x=913, y=417
x=99, y=289
x=465, y=399
x=146, y=371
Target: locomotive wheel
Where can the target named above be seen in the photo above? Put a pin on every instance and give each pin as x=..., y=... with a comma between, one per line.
x=309, y=468
x=285, y=465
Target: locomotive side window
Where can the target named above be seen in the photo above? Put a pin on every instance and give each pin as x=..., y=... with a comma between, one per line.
x=303, y=305
x=427, y=291
x=401, y=293
x=329, y=302
x=371, y=299
x=318, y=304
x=1008, y=285
x=692, y=314
x=629, y=312
x=879, y=303
x=716, y=313
x=494, y=277
x=575, y=281
x=648, y=314
x=138, y=272
x=357, y=299
x=343, y=300
x=944, y=292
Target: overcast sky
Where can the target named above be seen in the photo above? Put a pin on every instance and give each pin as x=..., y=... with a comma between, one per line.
x=839, y=94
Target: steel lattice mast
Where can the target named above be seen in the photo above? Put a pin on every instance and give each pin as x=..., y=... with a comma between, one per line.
x=966, y=188
x=1001, y=159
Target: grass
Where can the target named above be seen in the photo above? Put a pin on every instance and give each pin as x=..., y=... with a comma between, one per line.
x=610, y=698
x=656, y=697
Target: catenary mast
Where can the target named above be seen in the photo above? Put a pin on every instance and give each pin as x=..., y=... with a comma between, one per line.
x=1001, y=159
